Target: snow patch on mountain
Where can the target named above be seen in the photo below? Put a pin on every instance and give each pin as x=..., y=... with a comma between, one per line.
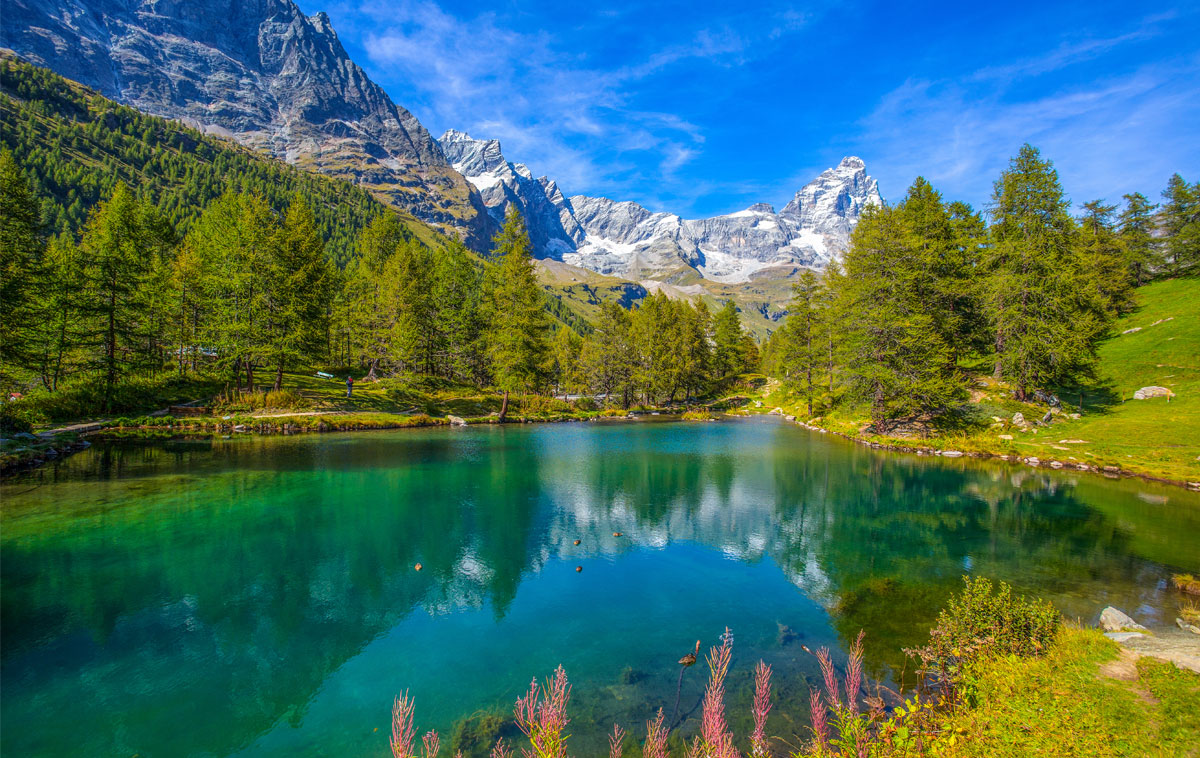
x=622, y=238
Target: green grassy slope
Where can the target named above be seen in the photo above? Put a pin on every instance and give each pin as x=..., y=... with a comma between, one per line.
x=1155, y=437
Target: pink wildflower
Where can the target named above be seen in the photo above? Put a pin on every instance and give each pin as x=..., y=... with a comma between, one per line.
x=854, y=672
x=402, y=726
x=614, y=741
x=714, y=730
x=543, y=716
x=431, y=744
x=501, y=750
x=831, y=681
x=820, y=726
x=656, y=738
x=762, y=706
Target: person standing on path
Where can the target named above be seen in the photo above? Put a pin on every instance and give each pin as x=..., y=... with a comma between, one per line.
x=349, y=386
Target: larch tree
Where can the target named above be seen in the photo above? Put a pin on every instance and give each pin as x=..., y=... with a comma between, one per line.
x=1105, y=259
x=22, y=247
x=1136, y=225
x=728, y=348
x=518, y=343
x=117, y=261
x=1044, y=330
x=607, y=356
x=896, y=353
x=1180, y=222
x=299, y=291
x=801, y=348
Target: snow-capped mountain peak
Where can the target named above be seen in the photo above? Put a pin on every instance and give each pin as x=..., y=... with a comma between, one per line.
x=625, y=239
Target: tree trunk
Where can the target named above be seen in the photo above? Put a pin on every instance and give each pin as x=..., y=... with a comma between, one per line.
x=370, y=377
x=504, y=407
x=237, y=374
x=279, y=377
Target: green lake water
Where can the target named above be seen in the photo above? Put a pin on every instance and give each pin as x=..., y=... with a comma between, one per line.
x=257, y=596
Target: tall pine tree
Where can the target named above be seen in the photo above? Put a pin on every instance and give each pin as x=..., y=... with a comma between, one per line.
x=518, y=339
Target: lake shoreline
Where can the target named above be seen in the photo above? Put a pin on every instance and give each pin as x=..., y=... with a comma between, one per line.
x=288, y=424
x=1108, y=472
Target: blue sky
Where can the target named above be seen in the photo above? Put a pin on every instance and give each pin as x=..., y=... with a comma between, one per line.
x=702, y=108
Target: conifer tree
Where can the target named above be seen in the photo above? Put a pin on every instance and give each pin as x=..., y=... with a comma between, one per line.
x=566, y=370
x=695, y=326
x=60, y=311
x=409, y=291
x=1136, y=224
x=459, y=314
x=233, y=241
x=116, y=264
x=374, y=315
x=298, y=290
x=728, y=348
x=1045, y=331
x=800, y=345
x=518, y=339
x=22, y=247
x=1180, y=221
x=607, y=356
x=896, y=354
x=1104, y=259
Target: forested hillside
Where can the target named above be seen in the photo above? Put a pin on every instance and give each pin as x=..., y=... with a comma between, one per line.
x=76, y=145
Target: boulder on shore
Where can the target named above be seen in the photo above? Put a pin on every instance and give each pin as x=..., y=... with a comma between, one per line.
x=1113, y=620
x=456, y=421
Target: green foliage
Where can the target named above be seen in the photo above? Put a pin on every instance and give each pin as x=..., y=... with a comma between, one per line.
x=984, y=621
x=800, y=343
x=898, y=357
x=1038, y=298
x=1179, y=218
x=77, y=146
x=16, y=418
x=518, y=336
x=21, y=250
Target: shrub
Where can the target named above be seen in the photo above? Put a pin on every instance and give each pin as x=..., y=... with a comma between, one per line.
x=586, y=404
x=982, y=622
x=15, y=418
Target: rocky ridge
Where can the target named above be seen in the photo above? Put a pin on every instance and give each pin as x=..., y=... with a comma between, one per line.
x=625, y=239
x=257, y=71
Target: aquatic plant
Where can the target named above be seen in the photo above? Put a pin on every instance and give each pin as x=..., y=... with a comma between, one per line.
x=762, y=706
x=614, y=741
x=403, y=733
x=656, y=738
x=542, y=716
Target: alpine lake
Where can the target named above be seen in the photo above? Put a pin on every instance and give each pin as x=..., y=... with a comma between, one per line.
x=259, y=596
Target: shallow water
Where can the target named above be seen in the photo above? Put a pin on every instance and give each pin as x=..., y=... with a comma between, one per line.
x=257, y=596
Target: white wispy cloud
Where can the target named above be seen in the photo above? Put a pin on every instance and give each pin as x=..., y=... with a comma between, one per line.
x=1108, y=135
x=562, y=114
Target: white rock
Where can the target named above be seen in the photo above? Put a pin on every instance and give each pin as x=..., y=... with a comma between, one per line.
x=1113, y=620
x=1148, y=392
x=951, y=453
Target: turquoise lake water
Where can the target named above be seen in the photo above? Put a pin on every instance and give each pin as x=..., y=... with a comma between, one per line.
x=257, y=596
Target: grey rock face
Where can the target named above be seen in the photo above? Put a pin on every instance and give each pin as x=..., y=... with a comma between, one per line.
x=625, y=239
x=259, y=71
x=551, y=225
x=1113, y=620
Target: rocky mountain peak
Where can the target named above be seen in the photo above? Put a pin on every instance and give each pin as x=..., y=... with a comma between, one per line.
x=626, y=239
x=260, y=71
